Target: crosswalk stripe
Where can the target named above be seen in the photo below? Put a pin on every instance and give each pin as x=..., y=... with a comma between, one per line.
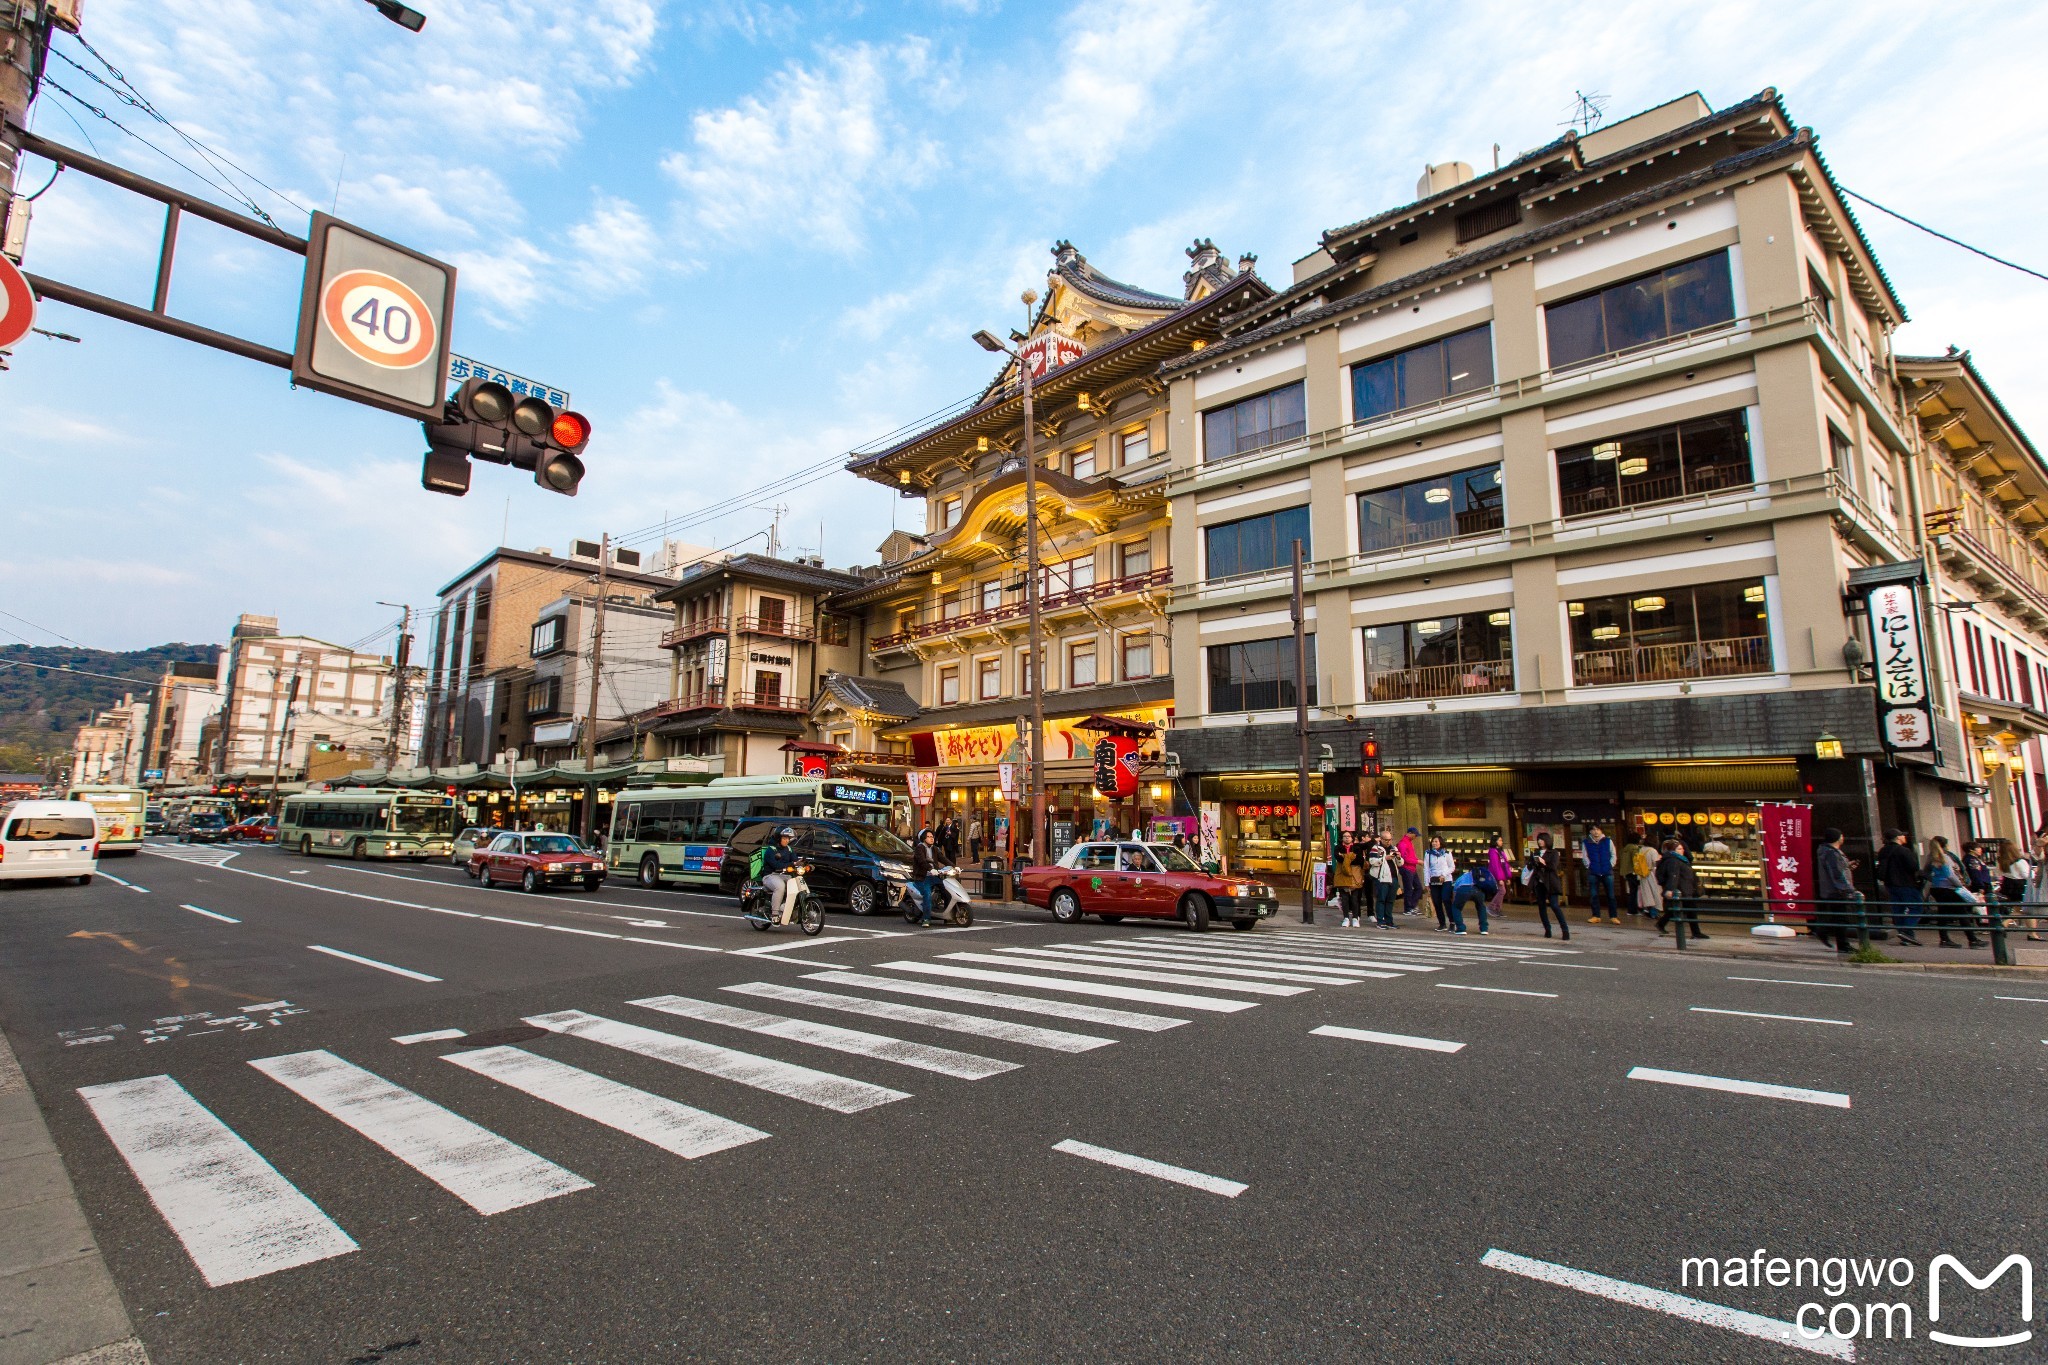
x=1140, y=957
x=1061, y=983
x=236, y=1216
x=656, y=1119
x=1486, y=949
x=1007, y=1030
x=1355, y=966
x=842, y=1094
x=1432, y=949
x=483, y=1170
x=1220, y=983
x=1023, y=1004
x=1143, y=1165
x=946, y=1061
x=1366, y=1035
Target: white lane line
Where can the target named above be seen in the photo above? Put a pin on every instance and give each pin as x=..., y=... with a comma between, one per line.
x=1496, y=990
x=439, y=1035
x=2030, y=999
x=673, y=1127
x=1364, y=950
x=1768, y=1091
x=1083, y=954
x=772, y=949
x=1788, y=1018
x=483, y=1170
x=1132, y=974
x=236, y=1216
x=822, y=1088
x=373, y=962
x=1007, y=1030
x=1022, y=1004
x=1661, y=1301
x=1362, y=1035
x=1061, y=983
x=210, y=914
x=1179, y=1175
x=132, y=887
x=1576, y=966
x=946, y=1061
x=1315, y=962
x=1429, y=944
x=1788, y=981
x=664, y=943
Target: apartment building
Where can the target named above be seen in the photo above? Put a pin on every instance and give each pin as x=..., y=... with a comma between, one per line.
x=187, y=696
x=632, y=674
x=285, y=694
x=1592, y=456
x=111, y=749
x=946, y=617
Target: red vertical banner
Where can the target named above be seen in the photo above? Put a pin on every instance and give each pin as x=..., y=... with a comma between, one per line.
x=1787, y=837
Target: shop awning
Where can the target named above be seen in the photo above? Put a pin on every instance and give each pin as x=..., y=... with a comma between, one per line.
x=1991, y=714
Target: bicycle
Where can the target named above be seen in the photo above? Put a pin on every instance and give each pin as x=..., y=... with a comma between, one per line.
x=757, y=904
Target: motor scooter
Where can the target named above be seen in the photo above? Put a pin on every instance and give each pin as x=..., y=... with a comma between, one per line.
x=757, y=905
x=951, y=903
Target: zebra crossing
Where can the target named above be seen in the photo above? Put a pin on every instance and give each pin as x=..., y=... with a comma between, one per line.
x=239, y=1218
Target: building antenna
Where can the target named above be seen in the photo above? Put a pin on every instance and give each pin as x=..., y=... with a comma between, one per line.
x=505, y=526
x=1587, y=111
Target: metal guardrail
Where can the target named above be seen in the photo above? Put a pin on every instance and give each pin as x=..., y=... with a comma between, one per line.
x=1994, y=921
x=693, y=630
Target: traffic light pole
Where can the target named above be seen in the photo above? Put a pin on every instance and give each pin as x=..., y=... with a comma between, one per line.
x=1301, y=681
x=604, y=564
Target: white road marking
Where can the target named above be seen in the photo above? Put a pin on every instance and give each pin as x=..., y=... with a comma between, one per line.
x=1007, y=1030
x=130, y=885
x=1061, y=983
x=822, y=1088
x=1768, y=1091
x=1788, y=1018
x=1134, y=957
x=1391, y=1039
x=483, y=1170
x=439, y=1035
x=210, y=914
x=772, y=949
x=1496, y=990
x=1362, y=950
x=236, y=1216
x=1661, y=1301
x=664, y=943
x=2030, y=999
x=673, y=1127
x=1577, y=966
x=1133, y=974
x=373, y=962
x=1432, y=943
x=946, y=1061
x=1179, y=1175
x=1788, y=981
x=1023, y=1004
x=1314, y=962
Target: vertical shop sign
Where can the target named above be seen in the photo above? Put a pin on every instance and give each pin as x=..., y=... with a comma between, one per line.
x=1905, y=714
x=1212, y=834
x=1786, y=832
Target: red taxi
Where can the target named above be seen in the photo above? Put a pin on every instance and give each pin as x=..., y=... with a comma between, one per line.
x=535, y=860
x=261, y=828
x=1151, y=881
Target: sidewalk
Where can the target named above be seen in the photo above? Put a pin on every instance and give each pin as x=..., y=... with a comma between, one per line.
x=58, y=1305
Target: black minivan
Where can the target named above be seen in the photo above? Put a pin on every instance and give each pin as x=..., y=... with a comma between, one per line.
x=860, y=866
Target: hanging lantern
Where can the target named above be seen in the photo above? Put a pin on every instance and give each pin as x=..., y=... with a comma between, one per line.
x=1116, y=765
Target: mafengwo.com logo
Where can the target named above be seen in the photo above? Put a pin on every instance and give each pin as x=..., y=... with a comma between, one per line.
x=1862, y=1298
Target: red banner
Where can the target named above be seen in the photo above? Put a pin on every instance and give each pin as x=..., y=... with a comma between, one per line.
x=1116, y=765
x=814, y=765
x=1787, y=834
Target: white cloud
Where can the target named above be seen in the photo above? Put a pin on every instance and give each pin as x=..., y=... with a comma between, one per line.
x=507, y=280
x=1121, y=57
x=615, y=248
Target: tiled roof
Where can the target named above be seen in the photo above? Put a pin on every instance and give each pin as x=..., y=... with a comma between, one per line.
x=753, y=566
x=1083, y=701
x=871, y=694
x=1070, y=265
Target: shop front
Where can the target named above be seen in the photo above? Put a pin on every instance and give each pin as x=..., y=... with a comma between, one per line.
x=1251, y=825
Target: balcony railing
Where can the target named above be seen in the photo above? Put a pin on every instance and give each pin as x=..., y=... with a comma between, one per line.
x=782, y=627
x=693, y=630
x=720, y=699
x=1949, y=534
x=1016, y=611
x=1672, y=663
x=1442, y=680
x=1639, y=492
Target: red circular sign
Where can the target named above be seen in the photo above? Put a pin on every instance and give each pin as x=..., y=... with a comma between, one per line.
x=17, y=304
x=378, y=318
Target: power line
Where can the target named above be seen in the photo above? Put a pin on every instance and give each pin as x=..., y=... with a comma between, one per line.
x=80, y=672
x=1935, y=232
x=229, y=190
x=45, y=630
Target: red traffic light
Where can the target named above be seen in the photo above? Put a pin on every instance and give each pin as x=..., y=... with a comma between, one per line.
x=571, y=431
x=1369, y=755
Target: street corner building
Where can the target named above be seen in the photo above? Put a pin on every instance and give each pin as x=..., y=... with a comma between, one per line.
x=1595, y=459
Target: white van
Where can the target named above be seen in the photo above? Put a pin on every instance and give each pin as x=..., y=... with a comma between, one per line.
x=49, y=839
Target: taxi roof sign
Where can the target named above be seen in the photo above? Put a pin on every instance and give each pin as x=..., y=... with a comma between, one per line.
x=373, y=320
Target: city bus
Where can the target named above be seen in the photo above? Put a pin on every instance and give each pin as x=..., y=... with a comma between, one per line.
x=120, y=811
x=369, y=824
x=679, y=833
x=179, y=810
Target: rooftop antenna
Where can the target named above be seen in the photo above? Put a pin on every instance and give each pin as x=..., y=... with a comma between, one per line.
x=1587, y=111
x=780, y=510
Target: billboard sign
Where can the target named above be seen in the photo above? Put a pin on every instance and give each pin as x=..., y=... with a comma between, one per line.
x=1905, y=707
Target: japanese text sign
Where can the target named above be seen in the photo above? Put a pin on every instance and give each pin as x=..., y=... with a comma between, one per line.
x=1905, y=714
x=1786, y=832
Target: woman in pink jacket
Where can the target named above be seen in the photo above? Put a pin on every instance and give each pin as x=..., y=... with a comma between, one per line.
x=1498, y=864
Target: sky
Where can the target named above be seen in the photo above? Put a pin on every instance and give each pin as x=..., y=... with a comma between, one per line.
x=747, y=237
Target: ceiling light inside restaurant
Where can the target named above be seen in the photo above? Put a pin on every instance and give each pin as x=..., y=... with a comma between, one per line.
x=1607, y=632
x=1753, y=593
x=1577, y=608
x=1496, y=618
x=1651, y=603
x=1437, y=495
x=1607, y=450
x=1631, y=468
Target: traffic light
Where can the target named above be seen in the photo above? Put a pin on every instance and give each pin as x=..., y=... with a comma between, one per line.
x=484, y=419
x=1369, y=755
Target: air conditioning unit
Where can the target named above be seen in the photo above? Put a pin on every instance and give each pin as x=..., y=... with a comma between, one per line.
x=585, y=549
x=629, y=559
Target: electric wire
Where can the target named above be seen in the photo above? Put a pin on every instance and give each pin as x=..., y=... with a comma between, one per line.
x=102, y=114
x=45, y=629
x=80, y=672
x=1936, y=232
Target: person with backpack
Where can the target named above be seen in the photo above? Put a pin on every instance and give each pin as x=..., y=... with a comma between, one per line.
x=1681, y=888
x=1476, y=884
x=1383, y=878
x=1643, y=868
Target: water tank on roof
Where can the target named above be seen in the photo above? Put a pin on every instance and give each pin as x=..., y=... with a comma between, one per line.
x=1440, y=176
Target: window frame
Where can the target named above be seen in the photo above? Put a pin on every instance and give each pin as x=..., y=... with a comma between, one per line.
x=1453, y=479
x=558, y=629
x=1263, y=405
x=948, y=675
x=1618, y=295
x=1436, y=353
x=1237, y=525
x=1077, y=650
x=1123, y=446
x=1671, y=440
x=982, y=690
x=1137, y=639
x=550, y=690
x=1281, y=647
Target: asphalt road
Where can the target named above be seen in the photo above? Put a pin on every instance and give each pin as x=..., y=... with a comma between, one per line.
x=536, y=1193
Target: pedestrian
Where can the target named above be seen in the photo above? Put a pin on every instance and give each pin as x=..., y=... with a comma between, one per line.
x=1349, y=879
x=1898, y=881
x=1598, y=852
x=924, y=863
x=1383, y=875
x=1440, y=869
x=1411, y=872
x=1476, y=884
x=2015, y=873
x=1625, y=870
x=949, y=839
x=1949, y=890
x=1643, y=868
x=975, y=833
x=1498, y=865
x=1544, y=876
x=1834, y=891
x=1681, y=888
x=1977, y=866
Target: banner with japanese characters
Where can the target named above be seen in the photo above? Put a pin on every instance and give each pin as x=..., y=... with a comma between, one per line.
x=1905, y=708
x=1786, y=831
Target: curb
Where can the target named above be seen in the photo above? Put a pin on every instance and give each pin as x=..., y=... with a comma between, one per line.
x=1958, y=968
x=58, y=1304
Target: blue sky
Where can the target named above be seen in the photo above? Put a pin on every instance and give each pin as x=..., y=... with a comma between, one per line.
x=749, y=236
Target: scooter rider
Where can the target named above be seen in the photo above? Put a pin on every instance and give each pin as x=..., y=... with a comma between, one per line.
x=776, y=860
x=924, y=865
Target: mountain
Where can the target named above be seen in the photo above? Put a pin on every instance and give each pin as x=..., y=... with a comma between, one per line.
x=41, y=710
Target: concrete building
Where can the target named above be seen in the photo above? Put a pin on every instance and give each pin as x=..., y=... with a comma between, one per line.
x=287, y=693
x=633, y=673
x=187, y=696
x=1589, y=455
x=112, y=748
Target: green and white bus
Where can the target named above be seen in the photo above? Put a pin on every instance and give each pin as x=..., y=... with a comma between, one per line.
x=369, y=824
x=680, y=833
x=120, y=811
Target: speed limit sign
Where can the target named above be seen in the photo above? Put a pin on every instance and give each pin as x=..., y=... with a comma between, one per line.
x=17, y=304
x=373, y=320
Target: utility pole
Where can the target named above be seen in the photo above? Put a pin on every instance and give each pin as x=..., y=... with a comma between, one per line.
x=284, y=727
x=1308, y=904
x=24, y=45
x=398, y=692
x=604, y=565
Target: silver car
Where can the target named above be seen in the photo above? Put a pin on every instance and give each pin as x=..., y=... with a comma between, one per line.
x=466, y=843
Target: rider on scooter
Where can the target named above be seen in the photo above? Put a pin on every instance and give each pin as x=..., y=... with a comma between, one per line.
x=776, y=860
x=924, y=865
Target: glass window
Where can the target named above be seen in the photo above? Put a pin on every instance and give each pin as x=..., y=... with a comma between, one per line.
x=1446, y=656
x=1081, y=664
x=1137, y=446
x=1637, y=312
x=1423, y=374
x=1082, y=463
x=1257, y=675
x=1255, y=423
x=1137, y=657
x=1137, y=558
x=1442, y=507
x=949, y=512
x=1705, y=631
x=991, y=595
x=1654, y=465
x=540, y=696
x=547, y=636
x=1842, y=454
x=1254, y=544
x=42, y=828
x=1024, y=672
x=1097, y=858
x=949, y=685
x=990, y=684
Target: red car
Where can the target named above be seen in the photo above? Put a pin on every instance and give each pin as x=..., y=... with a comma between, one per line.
x=1152, y=881
x=261, y=828
x=536, y=860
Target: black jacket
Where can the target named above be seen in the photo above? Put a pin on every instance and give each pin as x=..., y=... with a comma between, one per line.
x=922, y=860
x=1548, y=864
x=1831, y=881
x=1896, y=866
x=776, y=858
x=1676, y=877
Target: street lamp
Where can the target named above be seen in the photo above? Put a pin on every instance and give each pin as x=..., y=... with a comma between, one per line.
x=402, y=15
x=1035, y=760
x=1827, y=746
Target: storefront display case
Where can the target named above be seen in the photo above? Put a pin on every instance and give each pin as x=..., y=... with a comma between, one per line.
x=1721, y=839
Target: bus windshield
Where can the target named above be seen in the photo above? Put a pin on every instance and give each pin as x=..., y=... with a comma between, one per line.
x=877, y=840
x=410, y=819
